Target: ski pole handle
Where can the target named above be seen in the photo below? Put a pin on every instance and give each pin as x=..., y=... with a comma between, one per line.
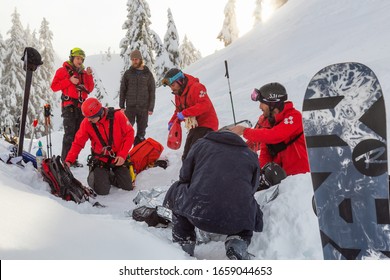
x=227, y=70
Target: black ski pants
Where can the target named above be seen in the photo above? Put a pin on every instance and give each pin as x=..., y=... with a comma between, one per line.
x=72, y=118
x=141, y=117
x=104, y=177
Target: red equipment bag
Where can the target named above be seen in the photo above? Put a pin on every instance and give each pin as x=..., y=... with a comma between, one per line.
x=174, y=136
x=145, y=154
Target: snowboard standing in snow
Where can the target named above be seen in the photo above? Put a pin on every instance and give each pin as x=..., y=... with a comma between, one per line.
x=345, y=128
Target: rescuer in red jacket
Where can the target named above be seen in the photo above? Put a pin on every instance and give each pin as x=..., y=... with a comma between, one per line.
x=279, y=131
x=75, y=83
x=111, y=136
x=192, y=103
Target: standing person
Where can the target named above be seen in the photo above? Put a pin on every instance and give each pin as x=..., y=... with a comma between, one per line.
x=137, y=94
x=191, y=101
x=111, y=136
x=279, y=131
x=215, y=193
x=75, y=83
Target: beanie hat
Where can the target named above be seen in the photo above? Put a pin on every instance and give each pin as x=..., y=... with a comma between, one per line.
x=136, y=54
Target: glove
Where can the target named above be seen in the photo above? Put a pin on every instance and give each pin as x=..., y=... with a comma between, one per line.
x=170, y=125
x=180, y=116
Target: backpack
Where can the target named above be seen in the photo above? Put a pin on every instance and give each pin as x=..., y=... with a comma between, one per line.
x=145, y=154
x=62, y=182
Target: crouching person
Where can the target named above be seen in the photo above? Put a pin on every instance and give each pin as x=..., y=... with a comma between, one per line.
x=215, y=194
x=111, y=136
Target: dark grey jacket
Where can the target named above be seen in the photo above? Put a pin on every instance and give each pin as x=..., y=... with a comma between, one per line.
x=137, y=89
x=217, y=182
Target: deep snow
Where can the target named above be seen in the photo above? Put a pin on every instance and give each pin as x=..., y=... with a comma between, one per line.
x=301, y=38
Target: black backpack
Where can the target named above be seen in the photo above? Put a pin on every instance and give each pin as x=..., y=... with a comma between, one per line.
x=62, y=182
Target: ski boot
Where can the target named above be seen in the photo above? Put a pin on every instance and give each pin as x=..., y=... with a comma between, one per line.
x=236, y=248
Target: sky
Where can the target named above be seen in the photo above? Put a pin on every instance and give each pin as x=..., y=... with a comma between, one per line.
x=97, y=25
x=302, y=38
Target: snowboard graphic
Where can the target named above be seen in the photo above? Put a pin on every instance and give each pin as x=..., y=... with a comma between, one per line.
x=345, y=129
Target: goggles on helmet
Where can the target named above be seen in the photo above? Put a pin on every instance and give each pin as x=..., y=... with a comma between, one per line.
x=271, y=98
x=171, y=80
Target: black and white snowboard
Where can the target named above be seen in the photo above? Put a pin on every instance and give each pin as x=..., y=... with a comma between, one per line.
x=345, y=128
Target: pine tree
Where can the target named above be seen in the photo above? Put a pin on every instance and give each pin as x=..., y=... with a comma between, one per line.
x=138, y=33
x=171, y=42
x=162, y=62
x=257, y=12
x=188, y=53
x=45, y=74
x=229, y=31
x=13, y=79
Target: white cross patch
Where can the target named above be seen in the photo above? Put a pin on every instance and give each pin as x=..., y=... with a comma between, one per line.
x=202, y=93
x=289, y=120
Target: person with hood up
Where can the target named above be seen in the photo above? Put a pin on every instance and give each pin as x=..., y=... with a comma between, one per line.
x=75, y=83
x=193, y=104
x=215, y=193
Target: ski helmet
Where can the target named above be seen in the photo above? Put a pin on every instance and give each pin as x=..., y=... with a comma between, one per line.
x=272, y=94
x=76, y=52
x=92, y=108
x=173, y=75
x=273, y=174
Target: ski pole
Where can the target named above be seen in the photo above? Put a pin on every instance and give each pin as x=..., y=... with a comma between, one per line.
x=230, y=91
x=35, y=123
x=47, y=114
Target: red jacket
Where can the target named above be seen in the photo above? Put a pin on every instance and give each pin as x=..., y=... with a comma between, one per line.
x=123, y=136
x=288, y=125
x=61, y=81
x=194, y=102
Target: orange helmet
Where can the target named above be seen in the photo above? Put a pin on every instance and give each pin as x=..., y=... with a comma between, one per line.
x=91, y=107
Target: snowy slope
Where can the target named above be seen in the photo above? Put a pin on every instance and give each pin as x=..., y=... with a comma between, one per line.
x=301, y=38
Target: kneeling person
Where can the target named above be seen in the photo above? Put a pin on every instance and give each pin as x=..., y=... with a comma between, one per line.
x=215, y=193
x=111, y=136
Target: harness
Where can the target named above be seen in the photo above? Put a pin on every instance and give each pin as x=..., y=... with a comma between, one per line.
x=107, y=147
x=274, y=149
x=80, y=87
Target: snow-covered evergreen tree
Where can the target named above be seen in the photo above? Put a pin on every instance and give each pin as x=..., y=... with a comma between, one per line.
x=257, y=12
x=14, y=77
x=45, y=75
x=2, y=55
x=171, y=42
x=138, y=33
x=162, y=62
x=229, y=31
x=188, y=53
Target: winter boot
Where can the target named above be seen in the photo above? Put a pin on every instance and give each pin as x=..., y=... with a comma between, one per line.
x=188, y=247
x=236, y=248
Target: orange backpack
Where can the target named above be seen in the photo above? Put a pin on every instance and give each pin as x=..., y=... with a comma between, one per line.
x=145, y=154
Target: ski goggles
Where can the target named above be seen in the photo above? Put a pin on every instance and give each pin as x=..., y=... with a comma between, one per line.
x=170, y=81
x=256, y=95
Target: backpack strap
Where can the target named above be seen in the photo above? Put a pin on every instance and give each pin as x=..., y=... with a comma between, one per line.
x=274, y=149
x=107, y=146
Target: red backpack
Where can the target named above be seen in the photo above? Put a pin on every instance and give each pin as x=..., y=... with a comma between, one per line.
x=145, y=153
x=174, y=136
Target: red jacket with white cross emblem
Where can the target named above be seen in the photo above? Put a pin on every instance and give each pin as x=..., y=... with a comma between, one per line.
x=194, y=102
x=288, y=126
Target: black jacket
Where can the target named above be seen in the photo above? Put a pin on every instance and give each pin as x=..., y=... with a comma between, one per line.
x=217, y=182
x=137, y=89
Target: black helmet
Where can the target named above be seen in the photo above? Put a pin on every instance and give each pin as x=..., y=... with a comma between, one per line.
x=172, y=76
x=272, y=174
x=270, y=94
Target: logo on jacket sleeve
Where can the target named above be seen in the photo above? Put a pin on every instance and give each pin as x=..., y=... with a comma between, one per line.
x=289, y=120
x=202, y=93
